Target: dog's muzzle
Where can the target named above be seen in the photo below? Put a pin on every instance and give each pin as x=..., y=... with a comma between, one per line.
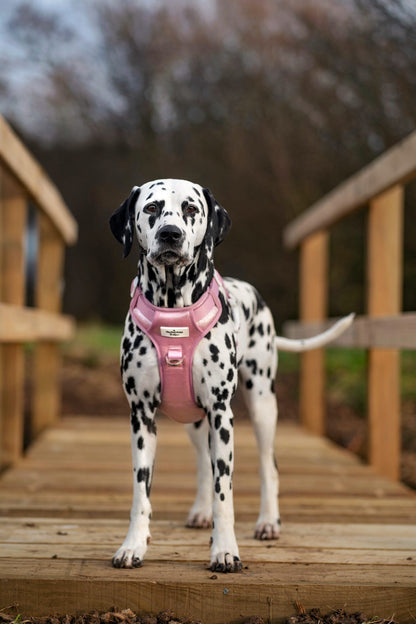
x=170, y=239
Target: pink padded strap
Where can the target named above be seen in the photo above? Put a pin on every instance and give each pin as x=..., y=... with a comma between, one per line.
x=175, y=333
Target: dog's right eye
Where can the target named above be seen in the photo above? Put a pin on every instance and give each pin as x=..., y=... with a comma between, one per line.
x=150, y=208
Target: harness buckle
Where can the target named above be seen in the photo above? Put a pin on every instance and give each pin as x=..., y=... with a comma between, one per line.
x=174, y=356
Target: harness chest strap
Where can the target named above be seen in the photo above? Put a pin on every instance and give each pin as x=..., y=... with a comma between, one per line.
x=175, y=333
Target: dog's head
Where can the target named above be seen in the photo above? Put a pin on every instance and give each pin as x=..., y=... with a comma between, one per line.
x=172, y=220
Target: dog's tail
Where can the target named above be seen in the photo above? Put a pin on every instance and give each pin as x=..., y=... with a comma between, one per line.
x=306, y=344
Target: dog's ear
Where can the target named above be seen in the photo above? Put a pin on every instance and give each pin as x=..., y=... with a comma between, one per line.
x=219, y=221
x=122, y=221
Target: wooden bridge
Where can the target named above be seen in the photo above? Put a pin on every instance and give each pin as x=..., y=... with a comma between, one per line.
x=348, y=530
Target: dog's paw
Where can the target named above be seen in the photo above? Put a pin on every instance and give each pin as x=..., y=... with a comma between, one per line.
x=129, y=556
x=225, y=562
x=199, y=521
x=126, y=559
x=267, y=530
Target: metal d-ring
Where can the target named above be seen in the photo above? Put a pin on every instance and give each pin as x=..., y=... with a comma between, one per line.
x=172, y=362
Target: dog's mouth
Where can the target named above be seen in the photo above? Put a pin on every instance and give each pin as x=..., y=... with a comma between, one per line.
x=168, y=257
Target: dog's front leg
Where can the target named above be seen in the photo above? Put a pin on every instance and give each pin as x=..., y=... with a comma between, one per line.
x=143, y=439
x=224, y=549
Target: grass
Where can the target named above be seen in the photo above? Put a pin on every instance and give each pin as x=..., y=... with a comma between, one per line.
x=94, y=343
x=347, y=375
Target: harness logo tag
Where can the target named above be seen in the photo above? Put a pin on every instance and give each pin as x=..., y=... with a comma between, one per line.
x=175, y=332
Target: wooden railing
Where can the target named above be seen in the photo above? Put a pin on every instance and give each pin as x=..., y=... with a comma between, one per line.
x=385, y=330
x=24, y=184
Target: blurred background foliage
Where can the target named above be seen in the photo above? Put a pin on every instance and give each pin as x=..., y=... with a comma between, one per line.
x=269, y=103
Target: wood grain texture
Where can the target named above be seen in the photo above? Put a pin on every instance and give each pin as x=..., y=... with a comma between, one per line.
x=384, y=294
x=48, y=296
x=18, y=324
x=386, y=332
x=313, y=307
x=348, y=536
x=13, y=214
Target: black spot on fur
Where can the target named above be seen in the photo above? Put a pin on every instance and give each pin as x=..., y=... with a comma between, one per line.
x=224, y=435
x=214, y=353
x=260, y=302
x=143, y=474
x=221, y=465
x=225, y=315
x=219, y=405
x=126, y=345
x=253, y=365
x=130, y=385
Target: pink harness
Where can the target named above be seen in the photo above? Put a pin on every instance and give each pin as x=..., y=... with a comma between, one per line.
x=175, y=333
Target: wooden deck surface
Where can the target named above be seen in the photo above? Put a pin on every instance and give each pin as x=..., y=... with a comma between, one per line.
x=348, y=537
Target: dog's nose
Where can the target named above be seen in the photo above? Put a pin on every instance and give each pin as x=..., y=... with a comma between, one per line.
x=170, y=234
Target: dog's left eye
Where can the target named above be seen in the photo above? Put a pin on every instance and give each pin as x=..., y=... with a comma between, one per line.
x=190, y=209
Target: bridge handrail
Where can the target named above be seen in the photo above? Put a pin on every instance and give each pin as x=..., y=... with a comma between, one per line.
x=23, y=183
x=380, y=187
x=30, y=175
x=395, y=166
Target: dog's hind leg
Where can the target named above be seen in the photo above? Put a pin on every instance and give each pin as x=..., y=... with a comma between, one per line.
x=258, y=371
x=200, y=515
x=263, y=412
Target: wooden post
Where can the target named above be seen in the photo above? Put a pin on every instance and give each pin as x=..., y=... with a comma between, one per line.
x=48, y=296
x=385, y=260
x=313, y=307
x=13, y=214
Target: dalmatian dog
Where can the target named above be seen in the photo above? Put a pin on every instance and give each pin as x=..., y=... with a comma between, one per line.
x=178, y=224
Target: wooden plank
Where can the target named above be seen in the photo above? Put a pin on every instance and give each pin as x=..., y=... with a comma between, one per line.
x=266, y=590
x=15, y=156
x=47, y=357
x=13, y=214
x=395, y=166
x=299, y=535
x=388, y=332
x=335, y=509
x=313, y=307
x=272, y=553
x=19, y=324
x=385, y=251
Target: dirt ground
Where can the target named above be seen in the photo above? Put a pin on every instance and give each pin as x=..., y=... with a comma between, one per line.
x=94, y=387
x=168, y=617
